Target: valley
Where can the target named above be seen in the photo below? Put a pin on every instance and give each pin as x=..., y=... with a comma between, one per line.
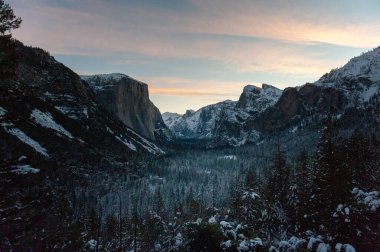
x=90, y=163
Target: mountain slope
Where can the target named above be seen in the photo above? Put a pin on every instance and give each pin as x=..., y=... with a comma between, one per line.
x=56, y=142
x=45, y=96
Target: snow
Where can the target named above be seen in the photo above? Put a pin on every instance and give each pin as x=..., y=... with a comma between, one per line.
x=9, y=127
x=128, y=144
x=365, y=65
x=251, y=195
x=250, y=88
x=347, y=210
x=46, y=120
x=24, y=169
x=229, y=157
x=198, y=124
x=312, y=242
x=370, y=199
x=349, y=248
x=212, y=220
x=258, y=99
x=339, y=247
x=293, y=130
x=225, y=224
x=369, y=93
x=149, y=146
x=104, y=77
x=91, y=244
x=178, y=239
x=228, y=244
x=322, y=247
x=3, y=111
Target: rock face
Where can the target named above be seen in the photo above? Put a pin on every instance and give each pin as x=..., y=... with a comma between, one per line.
x=349, y=94
x=48, y=103
x=128, y=100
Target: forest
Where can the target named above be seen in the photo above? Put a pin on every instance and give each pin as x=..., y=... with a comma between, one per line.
x=253, y=198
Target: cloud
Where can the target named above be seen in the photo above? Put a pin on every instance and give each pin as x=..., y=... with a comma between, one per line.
x=248, y=36
x=175, y=86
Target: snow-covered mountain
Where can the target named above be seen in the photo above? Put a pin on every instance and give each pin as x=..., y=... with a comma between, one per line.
x=205, y=122
x=255, y=99
x=350, y=94
x=359, y=78
x=196, y=124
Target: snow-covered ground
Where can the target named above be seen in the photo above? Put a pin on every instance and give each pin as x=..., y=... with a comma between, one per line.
x=25, y=169
x=3, y=111
x=46, y=120
x=128, y=144
x=9, y=127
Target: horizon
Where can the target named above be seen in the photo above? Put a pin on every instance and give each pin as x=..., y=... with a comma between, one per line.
x=196, y=53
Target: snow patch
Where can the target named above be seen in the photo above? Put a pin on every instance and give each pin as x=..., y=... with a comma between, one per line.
x=9, y=127
x=128, y=144
x=46, y=120
x=3, y=111
x=370, y=92
x=228, y=157
x=25, y=169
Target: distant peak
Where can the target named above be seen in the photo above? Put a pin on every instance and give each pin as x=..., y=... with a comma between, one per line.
x=189, y=112
x=267, y=86
x=250, y=88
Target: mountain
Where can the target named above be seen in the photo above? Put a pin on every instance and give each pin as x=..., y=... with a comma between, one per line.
x=196, y=124
x=47, y=100
x=128, y=100
x=205, y=123
x=350, y=94
x=56, y=142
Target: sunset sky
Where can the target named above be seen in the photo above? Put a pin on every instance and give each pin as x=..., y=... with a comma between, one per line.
x=197, y=52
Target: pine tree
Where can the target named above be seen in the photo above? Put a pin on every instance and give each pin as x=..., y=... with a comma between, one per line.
x=301, y=193
x=362, y=160
x=276, y=195
x=8, y=20
x=110, y=228
x=236, y=192
x=277, y=187
x=332, y=175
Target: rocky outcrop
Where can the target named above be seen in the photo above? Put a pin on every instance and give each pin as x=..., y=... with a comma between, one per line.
x=128, y=100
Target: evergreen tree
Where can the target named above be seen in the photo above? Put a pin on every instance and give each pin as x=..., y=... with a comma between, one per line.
x=301, y=192
x=362, y=160
x=277, y=186
x=276, y=195
x=110, y=228
x=331, y=183
x=236, y=192
x=8, y=20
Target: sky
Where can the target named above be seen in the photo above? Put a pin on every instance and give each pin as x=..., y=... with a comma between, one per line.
x=194, y=53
